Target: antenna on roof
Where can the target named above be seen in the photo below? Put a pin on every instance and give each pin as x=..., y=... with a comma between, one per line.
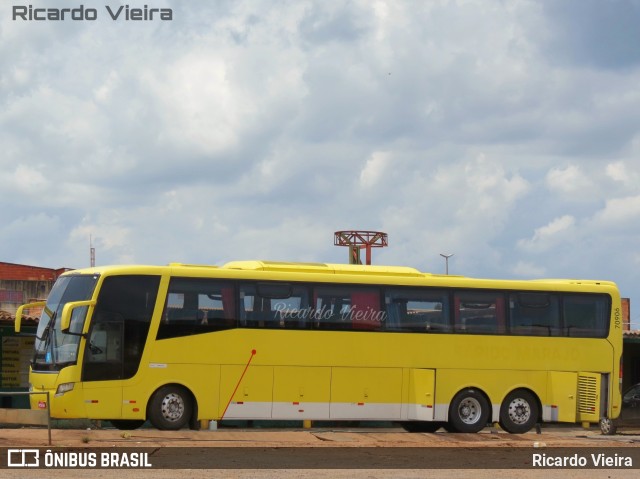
x=92, y=253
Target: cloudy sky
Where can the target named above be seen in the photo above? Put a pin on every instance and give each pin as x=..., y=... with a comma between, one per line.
x=506, y=132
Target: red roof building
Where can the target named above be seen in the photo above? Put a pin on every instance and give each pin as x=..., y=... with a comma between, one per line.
x=21, y=284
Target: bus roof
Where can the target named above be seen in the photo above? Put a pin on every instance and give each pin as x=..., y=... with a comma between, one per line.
x=281, y=266
x=347, y=272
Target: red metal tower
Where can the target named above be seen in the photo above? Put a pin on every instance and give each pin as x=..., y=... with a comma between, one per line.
x=357, y=240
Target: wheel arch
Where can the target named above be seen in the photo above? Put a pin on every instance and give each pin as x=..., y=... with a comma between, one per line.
x=458, y=390
x=194, y=402
x=530, y=391
x=469, y=410
x=474, y=387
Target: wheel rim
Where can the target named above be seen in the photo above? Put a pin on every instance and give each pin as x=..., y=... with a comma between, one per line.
x=469, y=411
x=605, y=425
x=172, y=407
x=519, y=411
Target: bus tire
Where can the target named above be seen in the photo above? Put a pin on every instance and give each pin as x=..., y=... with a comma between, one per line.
x=519, y=412
x=170, y=408
x=127, y=424
x=448, y=427
x=469, y=411
x=421, y=426
x=607, y=426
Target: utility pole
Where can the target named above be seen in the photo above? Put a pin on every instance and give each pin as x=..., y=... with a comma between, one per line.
x=446, y=260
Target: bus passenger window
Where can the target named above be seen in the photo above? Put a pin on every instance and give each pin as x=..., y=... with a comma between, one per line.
x=197, y=306
x=417, y=311
x=347, y=307
x=274, y=305
x=534, y=314
x=586, y=316
x=479, y=312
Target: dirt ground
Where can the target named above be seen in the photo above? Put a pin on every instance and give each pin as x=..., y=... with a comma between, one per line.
x=239, y=441
x=353, y=437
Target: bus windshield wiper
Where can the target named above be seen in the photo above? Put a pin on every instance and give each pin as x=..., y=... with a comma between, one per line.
x=47, y=329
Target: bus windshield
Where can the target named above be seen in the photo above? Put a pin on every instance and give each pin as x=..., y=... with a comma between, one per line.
x=53, y=348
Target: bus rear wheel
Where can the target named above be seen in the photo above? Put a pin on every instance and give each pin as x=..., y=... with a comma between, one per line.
x=519, y=412
x=469, y=411
x=170, y=408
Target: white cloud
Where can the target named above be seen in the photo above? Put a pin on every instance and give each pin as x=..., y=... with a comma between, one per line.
x=374, y=169
x=619, y=212
x=569, y=180
x=548, y=236
x=27, y=179
x=620, y=172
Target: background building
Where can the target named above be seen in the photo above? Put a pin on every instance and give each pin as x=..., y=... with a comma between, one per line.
x=19, y=284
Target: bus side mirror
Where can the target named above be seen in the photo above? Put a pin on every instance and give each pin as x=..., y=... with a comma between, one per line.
x=67, y=310
x=18, y=321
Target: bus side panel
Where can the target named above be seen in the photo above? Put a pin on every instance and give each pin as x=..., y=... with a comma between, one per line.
x=301, y=392
x=366, y=393
x=103, y=399
x=561, y=400
x=421, y=394
x=254, y=394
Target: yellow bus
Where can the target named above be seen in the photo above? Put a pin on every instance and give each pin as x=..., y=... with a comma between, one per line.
x=179, y=345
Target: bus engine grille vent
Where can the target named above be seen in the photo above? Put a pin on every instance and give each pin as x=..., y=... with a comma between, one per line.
x=587, y=394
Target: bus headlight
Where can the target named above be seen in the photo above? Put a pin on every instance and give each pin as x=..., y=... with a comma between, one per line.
x=64, y=388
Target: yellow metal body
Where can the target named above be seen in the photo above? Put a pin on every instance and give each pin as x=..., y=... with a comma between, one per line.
x=319, y=375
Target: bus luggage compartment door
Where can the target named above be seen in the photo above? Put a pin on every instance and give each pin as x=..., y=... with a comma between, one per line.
x=253, y=392
x=421, y=394
x=366, y=393
x=301, y=392
x=562, y=397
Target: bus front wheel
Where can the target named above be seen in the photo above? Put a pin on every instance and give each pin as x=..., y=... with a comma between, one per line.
x=170, y=408
x=469, y=411
x=519, y=412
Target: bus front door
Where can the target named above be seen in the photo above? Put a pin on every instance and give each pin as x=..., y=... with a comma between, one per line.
x=103, y=370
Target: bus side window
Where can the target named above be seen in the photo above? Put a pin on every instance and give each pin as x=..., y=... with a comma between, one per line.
x=274, y=305
x=534, y=314
x=197, y=306
x=294, y=311
x=365, y=310
x=586, y=316
x=341, y=307
x=328, y=308
x=479, y=312
x=417, y=311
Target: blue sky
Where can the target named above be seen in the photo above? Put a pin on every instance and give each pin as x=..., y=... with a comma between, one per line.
x=507, y=133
